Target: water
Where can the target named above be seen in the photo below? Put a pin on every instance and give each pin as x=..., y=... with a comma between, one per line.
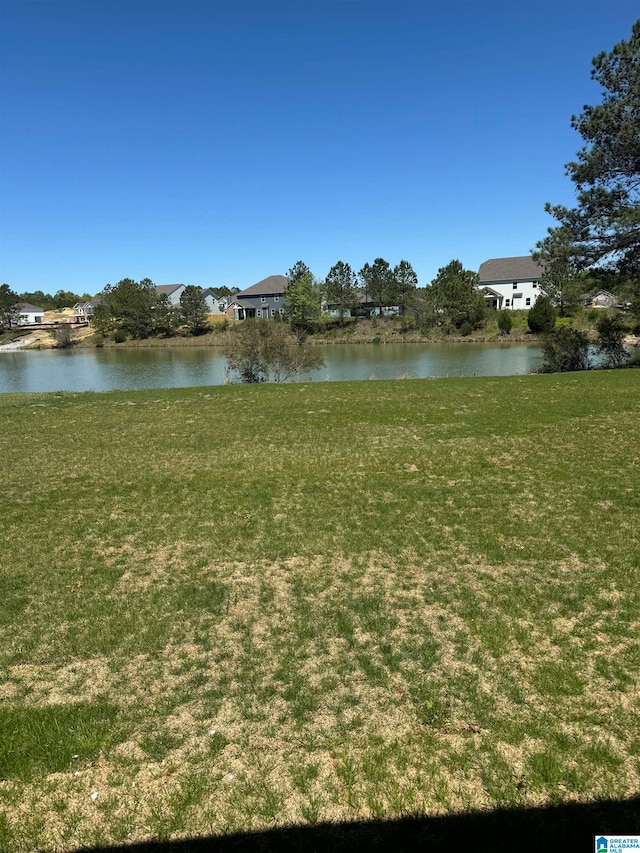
x=110, y=368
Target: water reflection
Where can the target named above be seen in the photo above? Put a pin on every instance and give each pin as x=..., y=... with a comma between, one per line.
x=110, y=368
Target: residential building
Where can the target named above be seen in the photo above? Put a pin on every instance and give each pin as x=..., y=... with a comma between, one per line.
x=212, y=301
x=172, y=291
x=83, y=311
x=29, y=315
x=261, y=300
x=604, y=299
x=510, y=283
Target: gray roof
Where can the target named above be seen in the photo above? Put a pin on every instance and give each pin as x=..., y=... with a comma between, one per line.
x=27, y=308
x=167, y=288
x=272, y=285
x=523, y=268
x=90, y=303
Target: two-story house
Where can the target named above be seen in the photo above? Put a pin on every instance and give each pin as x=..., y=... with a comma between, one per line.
x=83, y=311
x=510, y=282
x=211, y=301
x=261, y=300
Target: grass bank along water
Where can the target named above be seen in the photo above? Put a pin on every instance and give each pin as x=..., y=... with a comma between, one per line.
x=237, y=607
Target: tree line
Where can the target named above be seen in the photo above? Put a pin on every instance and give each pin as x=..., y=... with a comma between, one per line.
x=136, y=309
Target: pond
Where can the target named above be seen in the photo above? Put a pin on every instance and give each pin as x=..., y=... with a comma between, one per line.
x=110, y=368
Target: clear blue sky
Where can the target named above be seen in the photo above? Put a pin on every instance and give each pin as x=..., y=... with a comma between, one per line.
x=217, y=143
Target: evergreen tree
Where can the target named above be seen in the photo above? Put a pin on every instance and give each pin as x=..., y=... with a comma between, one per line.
x=604, y=227
x=340, y=288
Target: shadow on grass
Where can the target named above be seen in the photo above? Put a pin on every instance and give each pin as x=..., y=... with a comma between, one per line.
x=566, y=827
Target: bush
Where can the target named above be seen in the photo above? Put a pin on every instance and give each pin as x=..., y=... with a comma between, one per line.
x=611, y=329
x=119, y=336
x=63, y=336
x=505, y=322
x=566, y=349
x=465, y=329
x=542, y=316
x=259, y=350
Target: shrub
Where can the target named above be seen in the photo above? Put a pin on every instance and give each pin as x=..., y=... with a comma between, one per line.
x=119, y=336
x=611, y=330
x=542, y=316
x=566, y=349
x=261, y=349
x=465, y=329
x=63, y=336
x=505, y=322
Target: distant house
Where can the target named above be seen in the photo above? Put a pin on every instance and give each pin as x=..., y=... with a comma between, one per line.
x=364, y=307
x=510, y=282
x=83, y=311
x=29, y=315
x=172, y=291
x=212, y=301
x=604, y=299
x=261, y=300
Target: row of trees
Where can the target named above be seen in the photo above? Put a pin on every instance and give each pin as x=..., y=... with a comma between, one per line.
x=136, y=309
x=344, y=290
x=452, y=296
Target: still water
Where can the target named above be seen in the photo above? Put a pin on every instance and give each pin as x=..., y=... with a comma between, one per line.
x=109, y=368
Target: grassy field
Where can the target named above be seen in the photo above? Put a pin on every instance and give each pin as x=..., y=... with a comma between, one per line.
x=230, y=608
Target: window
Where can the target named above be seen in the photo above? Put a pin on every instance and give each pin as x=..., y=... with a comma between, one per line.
x=258, y=312
x=515, y=285
x=282, y=311
x=528, y=301
x=276, y=299
x=263, y=299
x=507, y=303
x=535, y=284
x=273, y=312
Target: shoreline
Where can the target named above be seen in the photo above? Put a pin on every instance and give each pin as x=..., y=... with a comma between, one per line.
x=214, y=339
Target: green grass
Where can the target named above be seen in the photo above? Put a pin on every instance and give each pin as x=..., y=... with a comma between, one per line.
x=54, y=738
x=251, y=606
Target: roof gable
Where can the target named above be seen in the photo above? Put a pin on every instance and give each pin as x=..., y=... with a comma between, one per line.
x=167, y=288
x=522, y=268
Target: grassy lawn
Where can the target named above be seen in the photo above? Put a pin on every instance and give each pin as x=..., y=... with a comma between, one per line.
x=230, y=608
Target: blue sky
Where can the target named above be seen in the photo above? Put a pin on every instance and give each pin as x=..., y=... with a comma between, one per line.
x=218, y=143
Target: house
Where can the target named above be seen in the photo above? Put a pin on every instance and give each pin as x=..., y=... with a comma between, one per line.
x=83, y=311
x=510, y=282
x=261, y=300
x=604, y=299
x=172, y=291
x=29, y=315
x=363, y=307
x=212, y=302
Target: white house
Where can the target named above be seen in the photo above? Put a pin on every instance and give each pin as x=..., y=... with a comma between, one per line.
x=510, y=282
x=29, y=315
